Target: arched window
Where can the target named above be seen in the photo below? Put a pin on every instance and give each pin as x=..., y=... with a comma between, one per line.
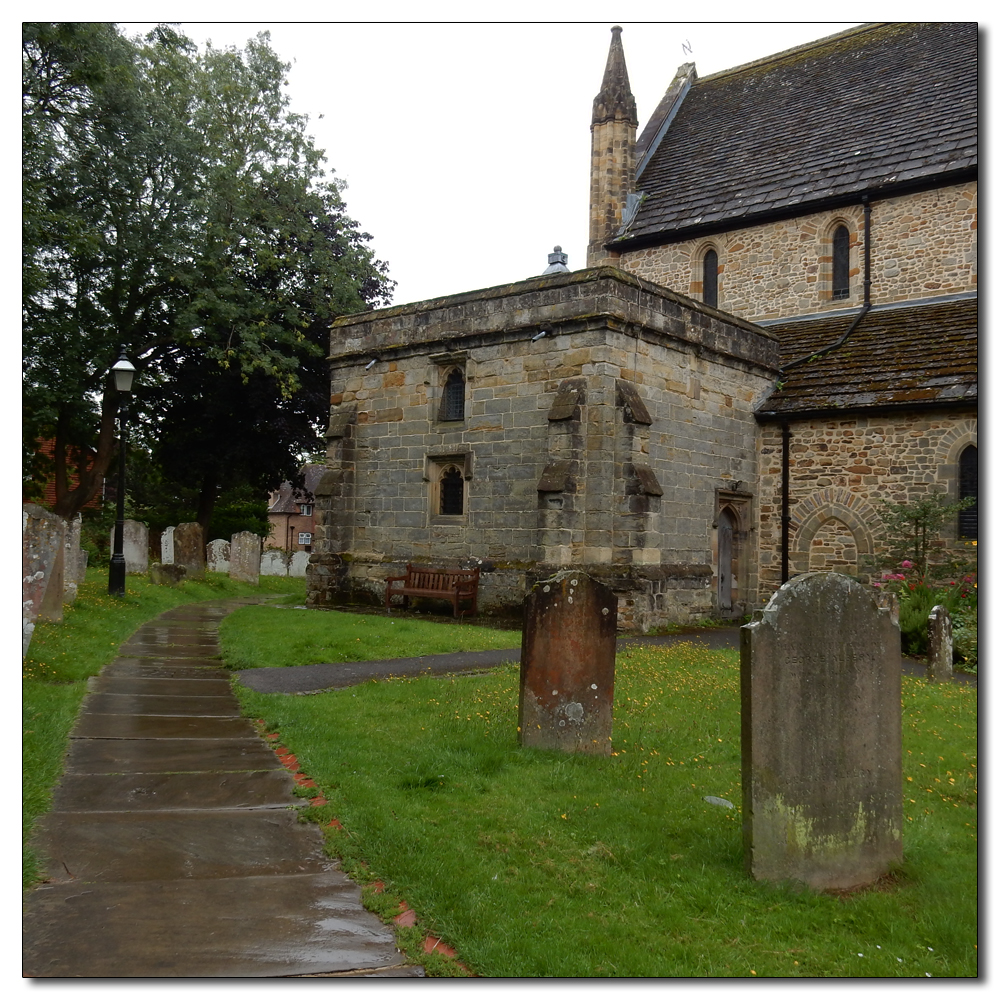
x=452, y=491
x=968, y=486
x=841, y=284
x=710, y=278
x=453, y=397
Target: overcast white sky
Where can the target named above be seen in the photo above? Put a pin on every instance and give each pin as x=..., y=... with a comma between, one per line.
x=466, y=146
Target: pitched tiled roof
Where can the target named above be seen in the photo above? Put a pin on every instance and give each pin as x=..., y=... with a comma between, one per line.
x=874, y=108
x=286, y=500
x=901, y=356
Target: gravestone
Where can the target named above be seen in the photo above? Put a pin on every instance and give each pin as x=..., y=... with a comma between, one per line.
x=298, y=562
x=167, y=547
x=218, y=556
x=567, y=682
x=821, y=736
x=939, y=645
x=189, y=549
x=135, y=546
x=244, y=557
x=274, y=562
x=74, y=561
x=43, y=543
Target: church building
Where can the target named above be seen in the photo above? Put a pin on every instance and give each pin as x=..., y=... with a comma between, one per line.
x=776, y=328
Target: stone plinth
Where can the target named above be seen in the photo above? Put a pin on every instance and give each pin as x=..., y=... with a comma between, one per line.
x=189, y=549
x=821, y=736
x=244, y=557
x=568, y=665
x=167, y=575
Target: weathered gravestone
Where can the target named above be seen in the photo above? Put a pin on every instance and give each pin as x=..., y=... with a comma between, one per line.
x=43, y=539
x=274, y=562
x=298, y=562
x=135, y=546
x=939, y=645
x=244, y=557
x=568, y=665
x=74, y=561
x=189, y=549
x=218, y=556
x=821, y=736
x=167, y=547
x=167, y=574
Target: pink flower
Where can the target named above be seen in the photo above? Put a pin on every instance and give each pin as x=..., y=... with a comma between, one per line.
x=907, y=564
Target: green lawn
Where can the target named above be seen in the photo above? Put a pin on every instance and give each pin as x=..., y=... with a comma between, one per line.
x=534, y=863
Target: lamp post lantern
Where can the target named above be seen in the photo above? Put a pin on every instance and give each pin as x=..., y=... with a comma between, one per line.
x=123, y=371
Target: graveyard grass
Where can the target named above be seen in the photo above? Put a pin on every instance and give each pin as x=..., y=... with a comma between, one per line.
x=534, y=863
x=62, y=655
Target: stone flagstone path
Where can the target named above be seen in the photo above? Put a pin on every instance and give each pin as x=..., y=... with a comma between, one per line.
x=173, y=844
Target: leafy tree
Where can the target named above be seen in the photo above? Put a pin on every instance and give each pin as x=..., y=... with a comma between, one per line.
x=176, y=208
x=912, y=529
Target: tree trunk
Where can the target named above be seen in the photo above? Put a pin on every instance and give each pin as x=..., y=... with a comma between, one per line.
x=206, y=501
x=70, y=501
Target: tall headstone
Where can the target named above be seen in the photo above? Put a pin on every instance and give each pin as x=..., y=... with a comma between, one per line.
x=218, y=556
x=189, y=549
x=298, y=562
x=821, y=736
x=244, y=557
x=74, y=560
x=167, y=547
x=135, y=546
x=567, y=683
x=940, y=650
x=43, y=540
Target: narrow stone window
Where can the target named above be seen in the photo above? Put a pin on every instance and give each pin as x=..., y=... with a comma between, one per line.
x=452, y=491
x=841, y=263
x=968, y=486
x=453, y=396
x=710, y=279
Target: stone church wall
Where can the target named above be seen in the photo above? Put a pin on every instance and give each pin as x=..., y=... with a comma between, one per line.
x=839, y=469
x=604, y=445
x=922, y=245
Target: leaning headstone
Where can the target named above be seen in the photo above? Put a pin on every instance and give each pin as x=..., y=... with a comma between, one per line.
x=218, y=556
x=274, y=562
x=189, y=549
x=567, y=683
x=298, y=562
x=74, y=561
x=244, y=558
x=167, y=547
x=940, y=651
x=167, y=575
x=821, y=736
x=42, y=559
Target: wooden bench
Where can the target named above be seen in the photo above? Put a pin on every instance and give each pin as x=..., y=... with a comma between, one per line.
x=455, y=585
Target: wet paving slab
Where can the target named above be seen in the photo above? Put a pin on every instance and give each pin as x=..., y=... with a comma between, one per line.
x=174, y=846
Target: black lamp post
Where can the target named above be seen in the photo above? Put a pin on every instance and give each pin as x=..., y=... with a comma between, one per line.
x=123, y=371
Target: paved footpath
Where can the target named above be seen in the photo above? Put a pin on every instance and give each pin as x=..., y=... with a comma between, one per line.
x=174, y=846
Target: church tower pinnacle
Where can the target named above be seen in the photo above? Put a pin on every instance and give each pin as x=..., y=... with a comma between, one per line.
x=612, y=153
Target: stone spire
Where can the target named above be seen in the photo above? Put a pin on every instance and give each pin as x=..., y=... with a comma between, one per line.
x=615, y=101
x=612, y=153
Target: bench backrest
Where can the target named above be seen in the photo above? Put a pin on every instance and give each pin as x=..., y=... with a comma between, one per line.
x=441, y=579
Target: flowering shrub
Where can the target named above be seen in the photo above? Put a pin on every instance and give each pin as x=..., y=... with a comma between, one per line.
x=918, y=596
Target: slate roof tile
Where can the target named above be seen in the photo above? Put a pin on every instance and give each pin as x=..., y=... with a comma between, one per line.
x=879, y=105
x=896, y=356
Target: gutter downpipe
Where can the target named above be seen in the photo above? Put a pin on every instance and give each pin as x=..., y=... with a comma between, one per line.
x=786, y=432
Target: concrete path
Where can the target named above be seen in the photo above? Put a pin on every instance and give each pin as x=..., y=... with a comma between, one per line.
x=174, y=846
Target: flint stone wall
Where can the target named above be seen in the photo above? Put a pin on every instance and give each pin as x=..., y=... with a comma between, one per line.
x=43, y=540
x=821, y=735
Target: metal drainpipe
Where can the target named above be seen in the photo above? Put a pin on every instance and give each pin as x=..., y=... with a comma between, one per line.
x=786, y=516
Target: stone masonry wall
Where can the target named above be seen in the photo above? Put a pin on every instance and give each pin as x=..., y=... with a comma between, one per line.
x=922, y=245
x=602, y=445
x=839, y=469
